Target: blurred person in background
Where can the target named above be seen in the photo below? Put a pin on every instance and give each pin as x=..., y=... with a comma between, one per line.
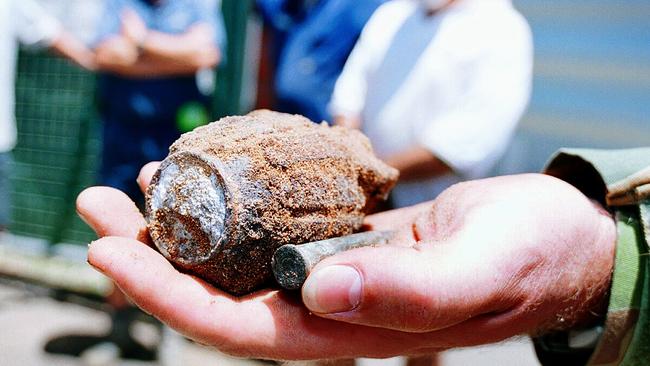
x=25, y=22
x=150, y=53
x=312, y=40
x=439, y=87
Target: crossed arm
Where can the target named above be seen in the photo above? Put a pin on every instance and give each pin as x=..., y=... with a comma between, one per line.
x=71, y=48
x=139, y=52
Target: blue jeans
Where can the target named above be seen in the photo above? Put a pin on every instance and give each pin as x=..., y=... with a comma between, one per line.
x=5, y=189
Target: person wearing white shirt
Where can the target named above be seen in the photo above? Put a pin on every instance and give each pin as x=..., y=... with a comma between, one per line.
x=26, y=22
x=439, y=87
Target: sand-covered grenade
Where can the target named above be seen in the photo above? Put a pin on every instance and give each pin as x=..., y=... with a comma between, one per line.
x=232, y=192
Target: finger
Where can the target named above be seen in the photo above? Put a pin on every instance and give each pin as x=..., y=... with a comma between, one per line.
x=110, y=212
x=282, y=327
x=406, y=289
x=146, y=174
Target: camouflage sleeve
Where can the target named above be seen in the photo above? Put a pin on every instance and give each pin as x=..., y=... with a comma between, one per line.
x=619, y=179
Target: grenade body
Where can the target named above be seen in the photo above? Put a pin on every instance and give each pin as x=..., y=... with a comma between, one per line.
x=232, y=192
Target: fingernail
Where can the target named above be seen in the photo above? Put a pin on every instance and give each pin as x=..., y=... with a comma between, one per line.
x=332, y=289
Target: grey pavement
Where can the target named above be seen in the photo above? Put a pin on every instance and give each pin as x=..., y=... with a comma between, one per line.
x=28, y=320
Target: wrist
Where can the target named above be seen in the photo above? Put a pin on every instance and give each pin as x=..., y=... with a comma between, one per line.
x=612, y=178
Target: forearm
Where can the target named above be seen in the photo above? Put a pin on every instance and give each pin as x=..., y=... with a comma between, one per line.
x=71, y=48
x=146, y=67
x=195, y=47
x=417, y=163
x=119, y=55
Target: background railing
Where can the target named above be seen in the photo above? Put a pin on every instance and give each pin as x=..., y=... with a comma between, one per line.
x=59, y=138
x=58, y=146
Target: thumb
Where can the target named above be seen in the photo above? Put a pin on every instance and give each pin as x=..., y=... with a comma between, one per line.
x=408, y=289
x=146, y=175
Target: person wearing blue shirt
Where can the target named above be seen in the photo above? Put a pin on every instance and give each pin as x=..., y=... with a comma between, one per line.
x=151, y=53
x=313, y=39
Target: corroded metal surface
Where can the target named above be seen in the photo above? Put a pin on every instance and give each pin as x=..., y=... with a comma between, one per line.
x=232, y=192
x=292, y=264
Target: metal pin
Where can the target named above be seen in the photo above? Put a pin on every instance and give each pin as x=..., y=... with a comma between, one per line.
x=293, y=263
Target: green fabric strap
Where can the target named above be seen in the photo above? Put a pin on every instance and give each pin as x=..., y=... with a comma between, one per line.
x=638, y=353
x=629, y=267
x=624, y=339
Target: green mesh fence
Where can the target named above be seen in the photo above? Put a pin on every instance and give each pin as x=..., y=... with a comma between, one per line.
x=57, y=147
x=227, y=98
x=58, y=136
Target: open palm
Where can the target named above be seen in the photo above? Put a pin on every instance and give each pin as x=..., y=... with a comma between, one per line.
x=472, y=267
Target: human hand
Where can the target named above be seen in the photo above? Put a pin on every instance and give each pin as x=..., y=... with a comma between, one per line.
x=487, y=260
x=133, y=27
x=70, y=47
x=492, y=258
x=116, y=52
